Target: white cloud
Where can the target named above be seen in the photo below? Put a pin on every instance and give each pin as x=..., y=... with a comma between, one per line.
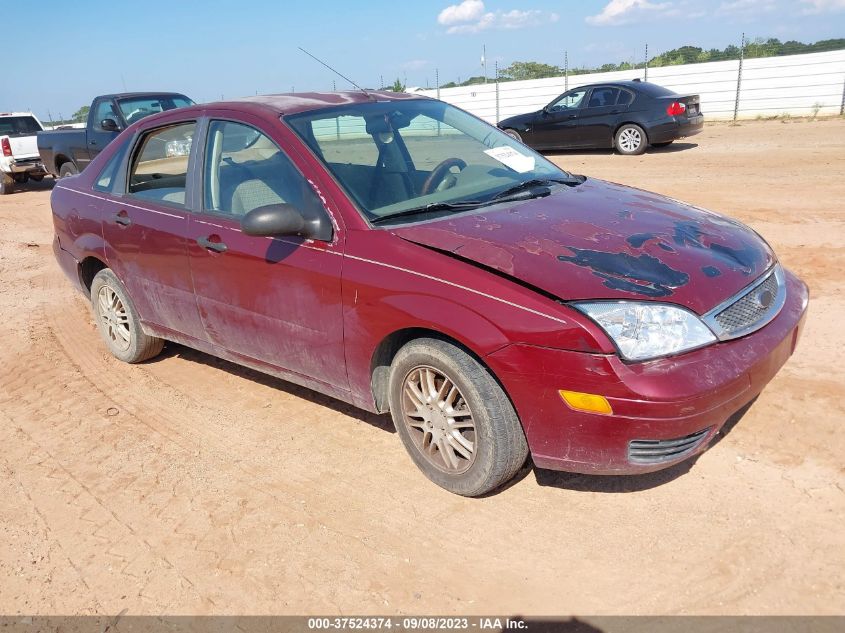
x=466, y=11
x=823, y=6
x=624, y=11
x=746, y=7
x=470, y=17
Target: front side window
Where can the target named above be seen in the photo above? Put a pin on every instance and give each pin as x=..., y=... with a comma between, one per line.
x=569, y=101
x=105, y=110
x=160, y=164
x=245, y=169
x=106, y=180
x=135, y=109
x=398, y=157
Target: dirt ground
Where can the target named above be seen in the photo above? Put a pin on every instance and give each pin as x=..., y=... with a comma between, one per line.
x=189, y=485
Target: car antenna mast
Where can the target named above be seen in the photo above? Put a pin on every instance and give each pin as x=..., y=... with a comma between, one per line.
x=344, y=77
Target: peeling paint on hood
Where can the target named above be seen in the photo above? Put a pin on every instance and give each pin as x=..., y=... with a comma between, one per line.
x=606, y=241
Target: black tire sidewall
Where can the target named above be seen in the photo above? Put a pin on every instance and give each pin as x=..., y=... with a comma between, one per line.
x=643, y=141
x=484, y=397
x=7, y=184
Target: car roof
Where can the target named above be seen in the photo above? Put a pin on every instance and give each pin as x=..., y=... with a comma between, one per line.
x=296, y=102
x=152, y=93
x=8, y=114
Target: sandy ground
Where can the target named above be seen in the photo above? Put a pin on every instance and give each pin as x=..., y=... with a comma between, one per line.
x=190, y=485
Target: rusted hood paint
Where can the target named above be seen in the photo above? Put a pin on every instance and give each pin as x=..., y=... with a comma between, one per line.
x=605, y=241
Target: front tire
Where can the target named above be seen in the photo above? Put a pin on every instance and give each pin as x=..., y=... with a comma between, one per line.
x=630, y=140
x=456, y=422
x=68, y=169
x=513, y=134
x=118, y=321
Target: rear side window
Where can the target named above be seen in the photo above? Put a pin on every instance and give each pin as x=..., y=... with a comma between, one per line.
x=18, y=126
x=602, y=97
x=160, y=164
x=625, y=98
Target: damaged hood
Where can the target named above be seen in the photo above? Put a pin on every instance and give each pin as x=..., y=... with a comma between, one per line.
x=601, y=240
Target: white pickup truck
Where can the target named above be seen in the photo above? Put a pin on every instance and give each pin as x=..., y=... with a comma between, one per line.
x=19, y=159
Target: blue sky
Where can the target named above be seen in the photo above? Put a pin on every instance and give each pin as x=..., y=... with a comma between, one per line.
x=212, y=48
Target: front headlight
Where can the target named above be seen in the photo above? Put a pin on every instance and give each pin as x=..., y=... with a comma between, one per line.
x=647, y=330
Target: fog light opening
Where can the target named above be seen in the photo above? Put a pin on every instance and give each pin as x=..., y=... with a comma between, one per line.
x=588, y=402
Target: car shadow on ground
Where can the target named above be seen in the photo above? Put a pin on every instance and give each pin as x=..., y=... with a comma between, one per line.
x=31, y=185
x=174, y=350
x=630, y=483
x=669, y=149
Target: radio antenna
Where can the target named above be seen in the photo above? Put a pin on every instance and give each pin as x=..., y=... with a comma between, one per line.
x=344, y=77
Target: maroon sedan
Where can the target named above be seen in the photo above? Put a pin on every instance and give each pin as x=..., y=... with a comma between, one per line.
x=399, y=254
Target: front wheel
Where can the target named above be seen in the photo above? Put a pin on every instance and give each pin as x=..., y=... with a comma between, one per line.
x=631, y=140
x=118, y=320
x=513, y=134
x=456, y=422
x=67, y=169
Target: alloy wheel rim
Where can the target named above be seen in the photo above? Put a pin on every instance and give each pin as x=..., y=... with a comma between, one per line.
x=630, y=140
x=114, y=317
x=439, y=420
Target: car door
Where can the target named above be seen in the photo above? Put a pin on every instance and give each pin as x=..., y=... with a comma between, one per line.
x=145, y=222
x=556, y=124
x=598, y=117
x=272, y=300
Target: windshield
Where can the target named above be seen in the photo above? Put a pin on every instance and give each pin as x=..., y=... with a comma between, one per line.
x=396, y=156
x=136, y=109
x=18, y=126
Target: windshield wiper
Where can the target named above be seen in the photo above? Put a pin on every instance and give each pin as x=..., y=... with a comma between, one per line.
x=540, y=187
x=461, y=205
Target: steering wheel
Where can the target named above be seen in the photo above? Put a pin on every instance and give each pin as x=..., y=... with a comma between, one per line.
x=439, y=173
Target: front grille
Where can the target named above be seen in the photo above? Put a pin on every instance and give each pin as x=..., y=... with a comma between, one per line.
x=748, y=310
x=751, y=309
x=658, y=451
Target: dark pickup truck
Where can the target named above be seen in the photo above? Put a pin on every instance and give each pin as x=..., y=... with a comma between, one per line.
x=68, y=152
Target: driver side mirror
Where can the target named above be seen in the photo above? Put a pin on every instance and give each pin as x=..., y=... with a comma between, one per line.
x=279, y=220
x=109, y=125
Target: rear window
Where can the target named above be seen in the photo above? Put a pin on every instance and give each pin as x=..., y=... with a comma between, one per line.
x=653, y=90
x=18, y=126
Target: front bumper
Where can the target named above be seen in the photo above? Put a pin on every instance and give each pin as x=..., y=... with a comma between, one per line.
x=670, y=407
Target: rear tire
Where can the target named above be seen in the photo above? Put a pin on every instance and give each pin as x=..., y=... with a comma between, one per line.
x=513, y=134
x=456, y=422
x=630, y=140
x=118, y=321
x=37, y=178
x=68, y=169
x=7, y=184
x=663, y=144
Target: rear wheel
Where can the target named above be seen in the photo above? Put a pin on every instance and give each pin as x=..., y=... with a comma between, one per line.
x=67, y=169
x=454, y=419
x=663, y=144
x=7, y=184
x=118, y=320
x=513, y=134
x=37, y=178
x=630, y=140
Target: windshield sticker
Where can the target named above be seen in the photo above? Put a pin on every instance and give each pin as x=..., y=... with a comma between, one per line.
x=511, y=159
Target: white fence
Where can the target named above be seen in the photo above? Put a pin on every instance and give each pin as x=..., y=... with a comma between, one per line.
x=798, y=85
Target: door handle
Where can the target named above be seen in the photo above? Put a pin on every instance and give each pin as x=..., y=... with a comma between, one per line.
x=217, y=247
x=92, y=142
x=122, y=218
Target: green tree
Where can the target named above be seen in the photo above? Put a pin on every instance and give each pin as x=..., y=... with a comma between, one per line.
x=397, y=86
x=529, y=70
x=81, y=115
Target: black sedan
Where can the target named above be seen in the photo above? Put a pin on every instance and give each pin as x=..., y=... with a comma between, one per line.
x=627, y=115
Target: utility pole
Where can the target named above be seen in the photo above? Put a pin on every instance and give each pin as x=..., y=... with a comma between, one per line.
x=496, y=66
x=484, y=60
x=646, y=63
